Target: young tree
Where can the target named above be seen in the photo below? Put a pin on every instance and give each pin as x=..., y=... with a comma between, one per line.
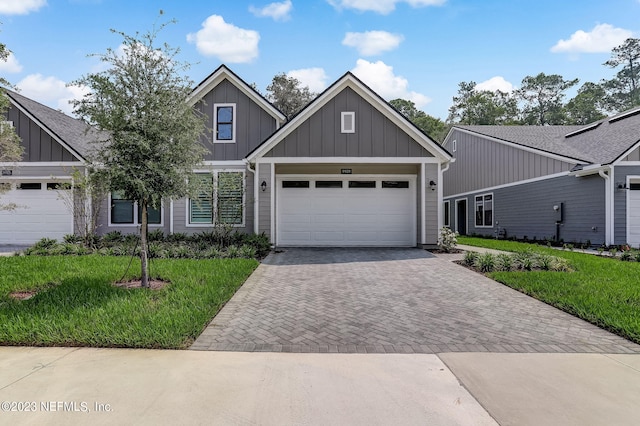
x=10, y=147
x=543, y=96
x=623, y=91
x=288, y=95
x=432, y=126
x=141, y=101
x=480, y=107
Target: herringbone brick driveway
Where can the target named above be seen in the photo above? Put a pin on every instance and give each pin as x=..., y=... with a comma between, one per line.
x=390, y=300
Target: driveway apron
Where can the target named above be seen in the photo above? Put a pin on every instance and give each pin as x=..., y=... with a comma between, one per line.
x=368, y=300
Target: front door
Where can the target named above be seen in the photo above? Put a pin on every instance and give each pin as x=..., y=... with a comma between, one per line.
x=461, y=216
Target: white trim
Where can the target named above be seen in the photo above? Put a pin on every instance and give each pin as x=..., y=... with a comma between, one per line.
x=626, y=153
x=630, y=178
x=135, y=216
x=349, y=160
x=255, y=197
x=493, y=209
x=454, y=145
x=272, y=225
x=591, y=169
x=507, y=185
x=350, y=81
x=343, y=122
x=233, y=122
x=42, y=164
x=522, y=147
x=423, y=203
x=215, y=174
x=627, y=163
x=612, y=206
x=232, y=163
x=171, y=217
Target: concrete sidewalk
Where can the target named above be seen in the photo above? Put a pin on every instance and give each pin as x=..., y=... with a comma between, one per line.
x=126, y=386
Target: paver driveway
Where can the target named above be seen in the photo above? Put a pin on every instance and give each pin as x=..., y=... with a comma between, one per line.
x=390, y=300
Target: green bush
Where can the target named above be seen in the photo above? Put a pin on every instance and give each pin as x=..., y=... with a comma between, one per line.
x=504, y=262
x=470, y=258
x=486, y=262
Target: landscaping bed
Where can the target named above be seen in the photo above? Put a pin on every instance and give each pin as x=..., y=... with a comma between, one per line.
x=600, y=289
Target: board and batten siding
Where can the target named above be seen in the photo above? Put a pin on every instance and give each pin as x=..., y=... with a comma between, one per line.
x=253, y=124
x=620, y=202
x=483, y=163
x=375, y=135
x=264, y=199
x=527, y=209
x=38, y=144
x=431, y=206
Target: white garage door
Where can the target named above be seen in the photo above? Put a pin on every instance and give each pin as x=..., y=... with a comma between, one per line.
x=325, y=211
x=633, y=215
x=40, y=213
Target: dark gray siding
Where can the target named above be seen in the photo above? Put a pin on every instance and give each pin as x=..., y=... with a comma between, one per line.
x=375, y=136
x=253, y=123
x=620, y=202
x=482, y=163
x=264, y=199
x=38, y=144
x=527, y=209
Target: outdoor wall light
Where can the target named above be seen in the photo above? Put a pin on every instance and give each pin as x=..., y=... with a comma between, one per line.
x=263, y=185
x=621, y=185
x=432, y=185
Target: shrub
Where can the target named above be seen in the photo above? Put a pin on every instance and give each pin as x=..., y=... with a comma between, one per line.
x=486, y=262
x=470, y=258
x=113, y=237
x=626, y=256
x=45, y=243
x=156, y=235
x=72, y=239
x=176, y=238
x=447, y=239
x=504, y=262
x=545, y=262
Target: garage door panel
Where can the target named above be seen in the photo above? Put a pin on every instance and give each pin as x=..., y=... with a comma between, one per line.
x=633, y=217
x=346, y=216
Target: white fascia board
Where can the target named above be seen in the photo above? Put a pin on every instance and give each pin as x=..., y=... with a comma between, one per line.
x=38, y=178
x=619, y=161
x=525, y=148
x=507, y=185
x=232, y=163
x=348, y=160
x=43, y=164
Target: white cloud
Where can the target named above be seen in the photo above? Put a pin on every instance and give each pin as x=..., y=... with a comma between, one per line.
x=11, y=65
x=225, y=41
x=314, y=78
x=382, y=7
x=380, y=77
x=50, y=91
x=601, y=39
x=494, y=84
x=20, y=7
x=276, y=11
x=372, y=43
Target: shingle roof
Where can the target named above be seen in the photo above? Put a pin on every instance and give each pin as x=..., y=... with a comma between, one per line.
x=601, y=142
x=75, y=133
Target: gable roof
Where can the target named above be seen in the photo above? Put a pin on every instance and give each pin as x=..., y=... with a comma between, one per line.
x=222, y=73
x=601, y=142
x=73, y=134
x=351, y=81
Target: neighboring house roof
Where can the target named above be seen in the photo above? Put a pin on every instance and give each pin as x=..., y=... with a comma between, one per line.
x=223, y=72
x=350, y=80
x=75, y=135
x=601, y=142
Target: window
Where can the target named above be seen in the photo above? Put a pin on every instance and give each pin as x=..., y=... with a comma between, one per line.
x=348, y=122
x=124, y=211
x=58, y=186
x=401, y=184
x=295, y=183
x=30, y=186
x=329, y=184
x=224, y=123
x=454, y=145
x=484, y=211
x=362, y=184
x=220, y=199
x=447, y=214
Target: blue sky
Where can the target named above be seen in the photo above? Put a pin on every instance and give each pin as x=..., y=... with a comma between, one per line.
x=412, y=49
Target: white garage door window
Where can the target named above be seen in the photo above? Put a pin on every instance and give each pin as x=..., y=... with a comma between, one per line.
x=633, y=215
x=346, y=211
x=40, y=213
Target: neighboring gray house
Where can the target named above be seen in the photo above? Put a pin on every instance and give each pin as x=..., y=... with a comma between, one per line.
x=348, y=170
x=569, y=183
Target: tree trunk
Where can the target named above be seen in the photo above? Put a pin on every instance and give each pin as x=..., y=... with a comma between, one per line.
x=144, y=227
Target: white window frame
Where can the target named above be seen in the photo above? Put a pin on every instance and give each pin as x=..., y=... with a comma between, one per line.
x=135, y=217
x=215, y=123
x=344, y=121
x=215, y=174
x=454, y=145
x=446, y=214
x=475, y=210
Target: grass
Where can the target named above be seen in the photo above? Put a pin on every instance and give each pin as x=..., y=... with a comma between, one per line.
x=77, y=305
x=601, y=290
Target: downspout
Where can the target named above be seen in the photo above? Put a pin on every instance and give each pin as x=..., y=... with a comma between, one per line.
x=608, y=210
x=256, y=194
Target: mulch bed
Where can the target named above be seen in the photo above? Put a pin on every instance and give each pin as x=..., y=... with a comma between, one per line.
x=153, y=284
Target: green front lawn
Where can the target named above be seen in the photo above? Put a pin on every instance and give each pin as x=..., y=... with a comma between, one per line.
x=77, y=305
x=601, y=290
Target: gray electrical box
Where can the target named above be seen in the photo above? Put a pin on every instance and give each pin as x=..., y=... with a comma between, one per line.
x=557, y=210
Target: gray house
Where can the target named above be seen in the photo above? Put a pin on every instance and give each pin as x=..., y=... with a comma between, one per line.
x=348, y=170
x=569, y=183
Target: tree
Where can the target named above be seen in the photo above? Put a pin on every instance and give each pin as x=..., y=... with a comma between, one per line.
x=543, y=96
x=586, y=107
x=432, y=126
x=154, y=134
x=10, y=146
x=623, y=91
x=288, y=95
x=480, y=107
